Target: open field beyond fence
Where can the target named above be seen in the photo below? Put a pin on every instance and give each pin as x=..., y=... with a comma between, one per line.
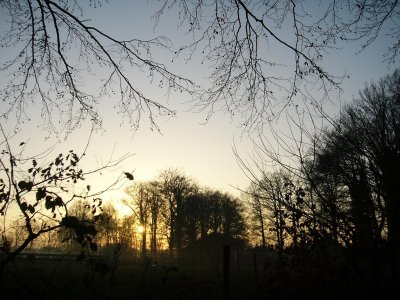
x=251, y=275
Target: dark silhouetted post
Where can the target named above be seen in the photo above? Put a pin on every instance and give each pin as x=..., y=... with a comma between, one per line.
x=238, y=260
x=255, y=264
x=226, y=265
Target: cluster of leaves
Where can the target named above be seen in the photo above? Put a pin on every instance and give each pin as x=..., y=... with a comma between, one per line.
x=84, y=231
x=47, y=183
x=83, y=228
x=62, y=168
x=4, y=196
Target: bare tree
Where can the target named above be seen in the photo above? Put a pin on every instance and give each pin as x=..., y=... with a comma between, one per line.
x=256, y=213
x=373, y=125
x=39, y=195
x=175, y=186
x=57, y=47
x=108, y=226
x=193, y=208
x=155, y=207
x=237, y=38
x=348, y=171
x=127, y=231
x=140, y=203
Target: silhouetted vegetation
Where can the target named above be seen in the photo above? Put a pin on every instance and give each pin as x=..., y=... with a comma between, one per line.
x=320, y=221
x=325, y=227
x=55, y=46
x=36, y=198
x=334, y=211
x=175, y=212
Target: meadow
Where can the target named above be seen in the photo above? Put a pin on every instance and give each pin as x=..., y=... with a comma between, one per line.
x=65, y=278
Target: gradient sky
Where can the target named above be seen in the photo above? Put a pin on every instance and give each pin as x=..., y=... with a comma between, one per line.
x=202, y=151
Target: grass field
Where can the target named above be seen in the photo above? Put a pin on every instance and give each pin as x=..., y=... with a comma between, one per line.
x=143, y=279
x=60, y=279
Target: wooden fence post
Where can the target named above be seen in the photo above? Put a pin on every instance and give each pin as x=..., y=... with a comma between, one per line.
x=255, y=264
x=225, y=266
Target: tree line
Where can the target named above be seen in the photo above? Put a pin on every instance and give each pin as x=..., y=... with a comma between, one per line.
x=344, y=187
x=168, y=213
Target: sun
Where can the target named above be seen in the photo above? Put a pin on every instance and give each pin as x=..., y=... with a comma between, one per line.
x=140, y=229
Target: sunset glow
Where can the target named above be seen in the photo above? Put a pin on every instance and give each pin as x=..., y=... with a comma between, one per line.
x=190, y=149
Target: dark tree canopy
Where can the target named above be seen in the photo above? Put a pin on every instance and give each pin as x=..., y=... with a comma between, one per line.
x=342, y=184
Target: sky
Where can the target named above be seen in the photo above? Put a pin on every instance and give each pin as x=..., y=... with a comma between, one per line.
x=203, y=151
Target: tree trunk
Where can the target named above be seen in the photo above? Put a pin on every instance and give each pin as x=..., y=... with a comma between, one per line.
x=264, y=244
x=392, y=197
x=144, y=241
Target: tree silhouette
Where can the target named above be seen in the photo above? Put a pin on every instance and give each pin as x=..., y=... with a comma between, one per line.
x=108, y=226
x=257, y=213
x=207, y=211
x=175, y=186
x=41, y=195
x=46, y=33
x=233, y=36
x=341, y=186
x=369, y=138
x=140, y=203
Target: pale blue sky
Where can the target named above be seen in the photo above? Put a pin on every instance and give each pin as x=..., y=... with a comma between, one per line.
x=203, y=152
